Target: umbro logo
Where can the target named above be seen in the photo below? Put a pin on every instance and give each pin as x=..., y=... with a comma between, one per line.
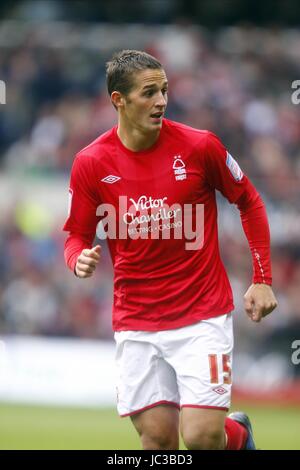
x=220, y=390
x=111, y=179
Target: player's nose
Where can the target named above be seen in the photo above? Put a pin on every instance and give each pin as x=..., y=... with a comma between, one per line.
x=161, y=101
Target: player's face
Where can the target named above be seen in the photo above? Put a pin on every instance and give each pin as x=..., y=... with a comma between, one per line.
x=145, y=105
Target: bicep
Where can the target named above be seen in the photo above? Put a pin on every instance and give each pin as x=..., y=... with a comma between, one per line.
x=83, y=202
x=223, y=171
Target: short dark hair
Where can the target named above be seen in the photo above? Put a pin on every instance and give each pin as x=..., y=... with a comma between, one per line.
x=121, y=67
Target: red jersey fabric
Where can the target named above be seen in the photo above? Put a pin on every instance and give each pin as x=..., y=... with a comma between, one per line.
x=158, y=283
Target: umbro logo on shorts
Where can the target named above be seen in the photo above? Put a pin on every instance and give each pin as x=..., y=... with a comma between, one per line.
x=220, y=390
x=111, y=179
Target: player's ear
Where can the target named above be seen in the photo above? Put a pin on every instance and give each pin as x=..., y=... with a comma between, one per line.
x=117, y=99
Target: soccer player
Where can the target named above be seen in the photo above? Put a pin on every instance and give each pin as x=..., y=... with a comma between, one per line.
x=146, y=179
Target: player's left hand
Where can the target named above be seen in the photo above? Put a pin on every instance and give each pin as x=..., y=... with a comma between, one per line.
x=259, y=301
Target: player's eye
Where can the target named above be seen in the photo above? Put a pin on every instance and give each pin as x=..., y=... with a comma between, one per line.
x=149, y=93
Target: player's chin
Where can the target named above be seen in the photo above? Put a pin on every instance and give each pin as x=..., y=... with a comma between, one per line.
x=155, y=123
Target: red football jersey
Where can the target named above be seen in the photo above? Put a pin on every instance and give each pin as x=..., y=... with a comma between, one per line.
x=160, y=282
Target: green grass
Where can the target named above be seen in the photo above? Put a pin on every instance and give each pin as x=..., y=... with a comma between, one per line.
x=34, y=427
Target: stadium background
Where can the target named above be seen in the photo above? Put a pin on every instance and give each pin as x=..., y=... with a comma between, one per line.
x=230, y=66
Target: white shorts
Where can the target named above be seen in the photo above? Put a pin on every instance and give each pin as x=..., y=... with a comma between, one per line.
x=189, y=366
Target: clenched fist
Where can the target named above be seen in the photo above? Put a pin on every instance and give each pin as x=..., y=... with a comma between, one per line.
x=87, y=262
x=259, y=301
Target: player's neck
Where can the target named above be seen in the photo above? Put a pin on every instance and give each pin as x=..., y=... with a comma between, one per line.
x=135, y=140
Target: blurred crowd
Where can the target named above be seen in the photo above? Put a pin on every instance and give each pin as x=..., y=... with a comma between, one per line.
x=236, y=82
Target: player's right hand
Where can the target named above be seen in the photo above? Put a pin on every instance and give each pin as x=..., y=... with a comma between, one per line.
x=87, y=262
